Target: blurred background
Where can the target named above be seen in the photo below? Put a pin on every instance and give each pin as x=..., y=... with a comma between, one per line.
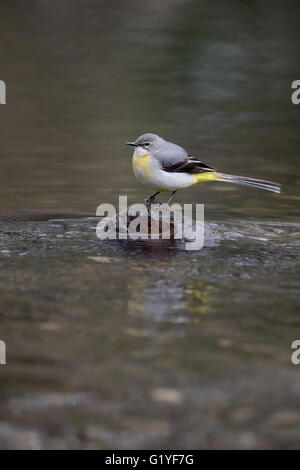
x=83, y=77
x=142, y=348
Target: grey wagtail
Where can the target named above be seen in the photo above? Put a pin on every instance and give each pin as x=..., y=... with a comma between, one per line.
x=167, y=167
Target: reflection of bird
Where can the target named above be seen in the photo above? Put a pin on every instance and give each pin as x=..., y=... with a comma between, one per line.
x=167, y=167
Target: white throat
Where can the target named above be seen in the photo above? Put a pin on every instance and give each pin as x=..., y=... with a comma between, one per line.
x=141, y=152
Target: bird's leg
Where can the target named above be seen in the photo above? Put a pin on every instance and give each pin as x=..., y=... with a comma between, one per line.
x=171, y=197
x=151, y=199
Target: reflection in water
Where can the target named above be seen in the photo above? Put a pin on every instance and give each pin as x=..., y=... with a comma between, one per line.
x=145, y=298
x=201, y=297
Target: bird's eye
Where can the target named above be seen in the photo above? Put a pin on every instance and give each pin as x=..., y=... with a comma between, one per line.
x=147, y=144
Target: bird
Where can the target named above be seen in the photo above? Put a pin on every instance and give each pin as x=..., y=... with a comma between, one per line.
x=167, y=167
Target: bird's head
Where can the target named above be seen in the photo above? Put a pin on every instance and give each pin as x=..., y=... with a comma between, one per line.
x=146, y=144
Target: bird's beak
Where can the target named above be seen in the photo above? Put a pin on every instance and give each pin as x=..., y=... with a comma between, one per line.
x=131, y=143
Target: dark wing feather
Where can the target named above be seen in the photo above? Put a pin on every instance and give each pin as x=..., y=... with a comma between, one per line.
x=188, y=165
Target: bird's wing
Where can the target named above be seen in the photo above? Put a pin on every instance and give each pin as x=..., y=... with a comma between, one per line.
x=188, y=165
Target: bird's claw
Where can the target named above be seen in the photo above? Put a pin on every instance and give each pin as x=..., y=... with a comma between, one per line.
x=149, y=201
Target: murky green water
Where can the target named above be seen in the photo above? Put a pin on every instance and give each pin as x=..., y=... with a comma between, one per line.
x=144, y=345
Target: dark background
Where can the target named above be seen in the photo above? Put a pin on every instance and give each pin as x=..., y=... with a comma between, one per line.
x=84, y=76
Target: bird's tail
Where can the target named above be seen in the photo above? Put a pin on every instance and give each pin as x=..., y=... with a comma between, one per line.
x=256, y=183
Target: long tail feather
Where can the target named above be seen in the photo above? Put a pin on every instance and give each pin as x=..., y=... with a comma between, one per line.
x=256, y=183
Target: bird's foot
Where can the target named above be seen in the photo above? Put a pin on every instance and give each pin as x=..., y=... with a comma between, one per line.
x=149, y=200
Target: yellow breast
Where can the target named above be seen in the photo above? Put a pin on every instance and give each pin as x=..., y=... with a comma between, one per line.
x=141, y=165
